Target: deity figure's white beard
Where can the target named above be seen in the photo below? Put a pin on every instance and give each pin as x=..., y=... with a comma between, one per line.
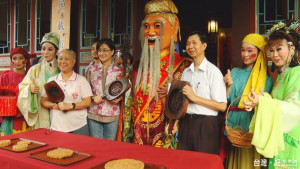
x=150, y=65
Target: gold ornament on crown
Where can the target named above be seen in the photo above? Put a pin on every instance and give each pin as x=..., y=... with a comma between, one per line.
x=164, y=8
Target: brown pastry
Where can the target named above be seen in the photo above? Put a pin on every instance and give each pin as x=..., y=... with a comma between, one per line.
x=124, y=164
x=20, y=147
x=24, y=142
x=5, y=143
x=60, y=153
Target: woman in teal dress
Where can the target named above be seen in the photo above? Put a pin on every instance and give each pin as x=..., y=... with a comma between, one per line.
x=239, y=81
x=276, y=122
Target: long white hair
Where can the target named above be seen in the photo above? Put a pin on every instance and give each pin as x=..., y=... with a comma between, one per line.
x=149, y=65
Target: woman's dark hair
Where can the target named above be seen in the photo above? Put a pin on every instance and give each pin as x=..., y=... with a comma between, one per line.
x=202, y=36
x=96, y=41
x=290, y=36
x=56, y=49
x=108, y=42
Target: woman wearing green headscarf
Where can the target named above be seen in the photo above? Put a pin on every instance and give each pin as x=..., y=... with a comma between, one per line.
x=30, y=89
x=239, y=81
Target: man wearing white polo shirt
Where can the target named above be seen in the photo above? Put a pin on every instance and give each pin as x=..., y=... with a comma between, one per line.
x=199, y=129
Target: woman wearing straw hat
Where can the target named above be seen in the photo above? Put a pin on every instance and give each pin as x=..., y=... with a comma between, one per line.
x=33, y=84
x=239, y=81
x=276, y=121
x=20, y=61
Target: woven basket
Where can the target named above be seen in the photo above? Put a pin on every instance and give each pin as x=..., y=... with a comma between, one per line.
x=8, y=104
x=237, y=135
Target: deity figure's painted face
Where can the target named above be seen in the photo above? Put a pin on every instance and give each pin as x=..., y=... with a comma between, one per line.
x=156, y=26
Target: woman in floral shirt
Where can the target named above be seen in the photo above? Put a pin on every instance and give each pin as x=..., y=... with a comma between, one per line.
x=103, y=115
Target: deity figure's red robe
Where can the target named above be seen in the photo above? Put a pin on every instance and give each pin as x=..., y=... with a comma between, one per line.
x=148, y=113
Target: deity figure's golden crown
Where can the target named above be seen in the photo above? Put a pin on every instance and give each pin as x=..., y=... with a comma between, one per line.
x=165, y=8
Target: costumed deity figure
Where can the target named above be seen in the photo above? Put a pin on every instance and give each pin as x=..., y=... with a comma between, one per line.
x=20, y=60
x=158, y=64
x=32, y=85
x=276, y=121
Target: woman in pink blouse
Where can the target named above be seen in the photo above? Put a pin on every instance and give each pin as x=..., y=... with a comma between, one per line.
x=103, y=115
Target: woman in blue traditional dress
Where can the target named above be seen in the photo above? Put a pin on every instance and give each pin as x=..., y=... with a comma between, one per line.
x=253, y=74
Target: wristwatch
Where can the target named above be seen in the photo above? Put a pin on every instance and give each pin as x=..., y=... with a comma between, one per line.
x=74, y=105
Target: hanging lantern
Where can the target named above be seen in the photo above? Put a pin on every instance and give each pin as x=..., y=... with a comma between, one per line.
x=212, y=26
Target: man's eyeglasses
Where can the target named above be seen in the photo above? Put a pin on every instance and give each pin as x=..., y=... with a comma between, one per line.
x=104, y=50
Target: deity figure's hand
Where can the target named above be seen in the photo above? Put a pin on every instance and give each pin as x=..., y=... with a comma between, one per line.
x=162, y=90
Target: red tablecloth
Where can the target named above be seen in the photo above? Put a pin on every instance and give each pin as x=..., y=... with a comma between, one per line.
x=103, y=150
